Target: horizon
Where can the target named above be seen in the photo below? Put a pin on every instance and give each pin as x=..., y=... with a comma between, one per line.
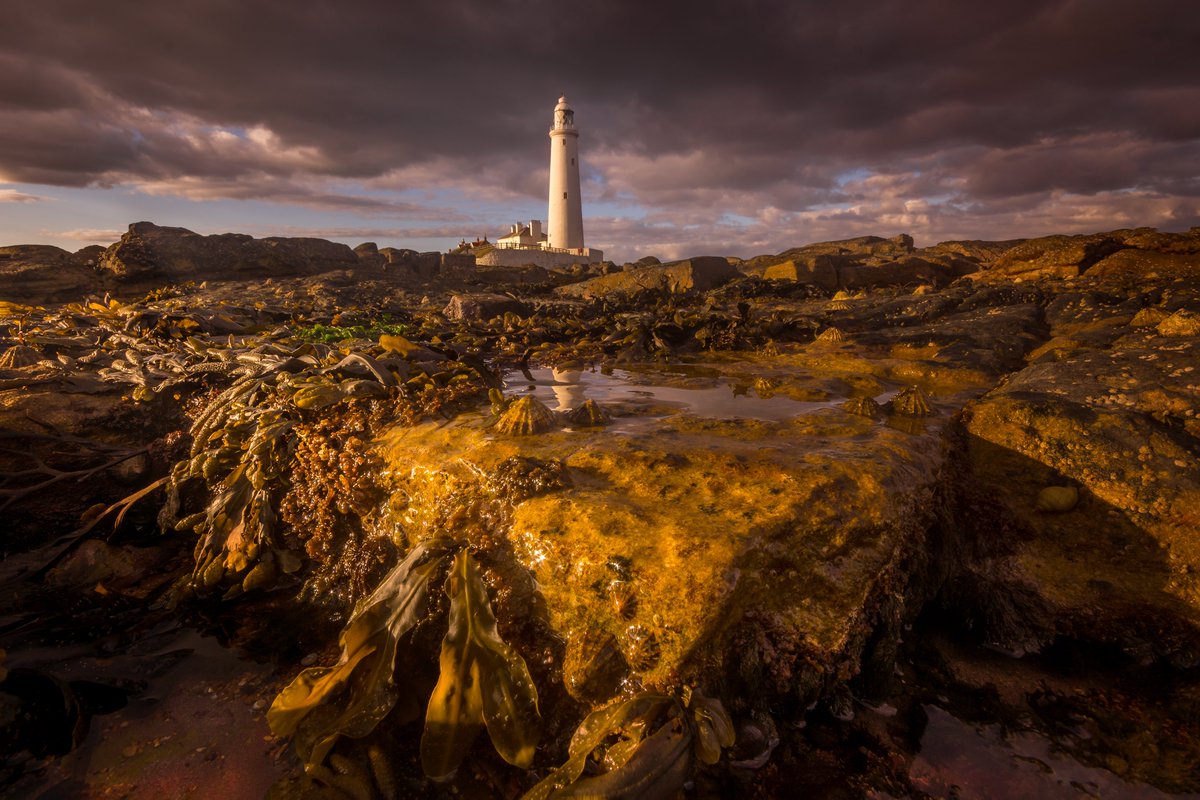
x=875, y=118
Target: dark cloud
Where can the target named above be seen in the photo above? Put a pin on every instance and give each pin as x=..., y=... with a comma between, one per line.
x=848, y=117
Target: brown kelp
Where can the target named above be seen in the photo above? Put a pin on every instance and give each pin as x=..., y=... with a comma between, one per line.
x=641, y=747
x=483, y=681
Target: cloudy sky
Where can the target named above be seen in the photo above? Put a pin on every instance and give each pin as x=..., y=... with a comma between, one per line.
x=734, y=128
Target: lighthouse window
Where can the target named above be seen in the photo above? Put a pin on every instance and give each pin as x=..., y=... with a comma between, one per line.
x=572, y=162
x=564, y=195
x=564, y=141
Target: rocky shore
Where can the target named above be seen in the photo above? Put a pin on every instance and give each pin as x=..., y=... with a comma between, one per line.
x=719, y=526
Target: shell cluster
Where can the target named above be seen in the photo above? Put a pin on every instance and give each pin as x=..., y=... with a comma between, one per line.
x=911, y=402
x=526, y=417
x=862, y=407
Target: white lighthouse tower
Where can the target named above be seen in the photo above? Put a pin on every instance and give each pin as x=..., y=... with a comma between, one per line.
x=561, y=243
x=565, y=220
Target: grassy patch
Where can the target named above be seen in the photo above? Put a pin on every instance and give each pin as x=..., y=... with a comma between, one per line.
x=331, y=334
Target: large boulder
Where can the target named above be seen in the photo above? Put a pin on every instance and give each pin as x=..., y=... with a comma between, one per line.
x=819, y=270
x=480, y=307
x=679, y=277
x=1084, y=497
x=150, y=255
x=33, y=273
x=1054, y=256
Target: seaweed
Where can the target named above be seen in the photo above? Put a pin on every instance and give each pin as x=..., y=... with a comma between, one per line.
x=483, y=681
x=641, y=747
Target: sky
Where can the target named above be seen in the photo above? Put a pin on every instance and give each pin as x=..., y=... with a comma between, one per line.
x=733, y=128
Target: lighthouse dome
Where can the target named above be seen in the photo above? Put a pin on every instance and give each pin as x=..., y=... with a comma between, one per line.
x=563, y=105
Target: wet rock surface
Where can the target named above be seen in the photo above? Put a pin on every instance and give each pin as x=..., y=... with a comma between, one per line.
x=859, y=504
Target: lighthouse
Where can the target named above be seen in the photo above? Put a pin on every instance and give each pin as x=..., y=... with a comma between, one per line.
x=565, y=214
x=561, y=242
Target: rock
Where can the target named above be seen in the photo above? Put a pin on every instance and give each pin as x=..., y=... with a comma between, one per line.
x=1054, y=256
x=1123, y=567
x=781, y=602
x=32, y=273
x=1183, y=322
x=479, y=307
x=979, y=251
x=152, y=255
x=679, y=277
x=368, y=253
x=904, y=272
x=1138, y=264
x=818, y=270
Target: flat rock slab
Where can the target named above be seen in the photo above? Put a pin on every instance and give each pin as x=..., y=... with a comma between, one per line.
x=754, y=551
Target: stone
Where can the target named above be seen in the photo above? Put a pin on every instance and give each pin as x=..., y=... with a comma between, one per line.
x=1183, y=322
x=31, y=273
x=150, y=255
x=479, y=307
x=780, y=602
x=820, y=271
x=679, y=277
x=1054, y=256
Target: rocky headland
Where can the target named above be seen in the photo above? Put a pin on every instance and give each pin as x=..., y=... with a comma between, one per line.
x=730, y=527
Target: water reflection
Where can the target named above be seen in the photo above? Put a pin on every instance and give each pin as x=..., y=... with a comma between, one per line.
x=705, y=395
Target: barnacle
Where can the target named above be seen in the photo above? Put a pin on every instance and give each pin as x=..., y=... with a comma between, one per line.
x=589, y=415
x=862, y=406
x=838, y=305
x=525, y=417
x=910, y=402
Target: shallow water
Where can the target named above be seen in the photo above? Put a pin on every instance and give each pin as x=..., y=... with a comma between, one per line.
x=193, y=726
x=960, y=759
x=698, y=391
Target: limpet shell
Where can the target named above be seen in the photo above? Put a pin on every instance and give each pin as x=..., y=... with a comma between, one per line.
x=525, y=417
x=641, y=647
x=911, y=402
x=19, y=355
x=862, y=406
x=589, y=415
x=831, y=334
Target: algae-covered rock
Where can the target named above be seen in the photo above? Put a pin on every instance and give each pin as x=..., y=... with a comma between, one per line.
x=754, y=553
x=1122, y=566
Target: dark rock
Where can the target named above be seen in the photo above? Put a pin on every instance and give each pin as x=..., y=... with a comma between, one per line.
x=1055, y=256
x=32, y=273
x=368, y=253
x=479, y=307
x=152, y=255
